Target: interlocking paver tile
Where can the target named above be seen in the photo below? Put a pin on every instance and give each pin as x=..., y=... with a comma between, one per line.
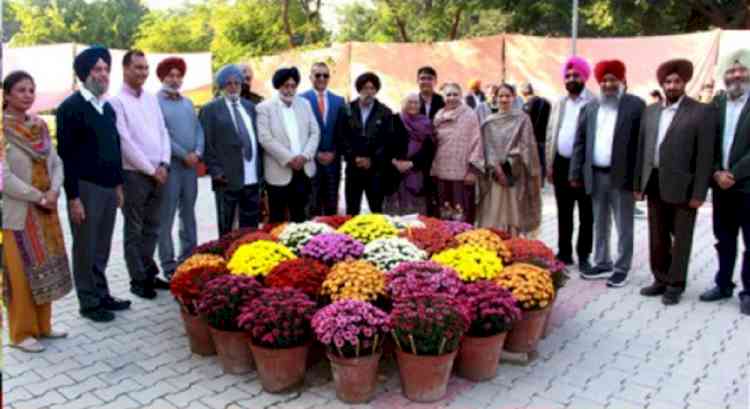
x=85, y=401
x=109, y=393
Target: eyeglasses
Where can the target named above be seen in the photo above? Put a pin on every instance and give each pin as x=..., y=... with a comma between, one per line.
x=322, y=75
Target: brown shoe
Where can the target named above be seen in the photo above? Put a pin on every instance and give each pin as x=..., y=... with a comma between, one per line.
x=653, y=290
x=671, y=296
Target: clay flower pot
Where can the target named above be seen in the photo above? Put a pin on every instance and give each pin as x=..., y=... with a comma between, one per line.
x=198, y=333
x=526, y=333
x=479, y=357
x=548, y=320
x=355, y=378
x=233, y=349
x=280, y=369
x=424, y=378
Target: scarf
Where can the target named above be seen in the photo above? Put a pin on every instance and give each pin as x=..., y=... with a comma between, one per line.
x=29, y=134
x=446, y=115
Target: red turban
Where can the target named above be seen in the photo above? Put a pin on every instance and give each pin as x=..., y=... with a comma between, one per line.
x=166, y=65
x=614, y=67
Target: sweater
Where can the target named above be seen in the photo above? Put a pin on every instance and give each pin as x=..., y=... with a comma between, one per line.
x=185, y=132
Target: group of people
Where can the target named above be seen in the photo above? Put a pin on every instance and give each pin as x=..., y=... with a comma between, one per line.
x=470, y=157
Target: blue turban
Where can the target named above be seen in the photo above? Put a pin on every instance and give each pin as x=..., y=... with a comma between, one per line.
x=86, y=60
x=283, y=74
x=226, y=73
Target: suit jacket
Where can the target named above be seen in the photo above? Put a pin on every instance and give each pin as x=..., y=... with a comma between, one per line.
x=553, y=127
x=438, y=103
x=276, y=144
x=538, y=110
x=223, y=156
x=328, y=128
x=366, y=140
x=686, y=155
x=624, y=143
x=399, y=149
x=739, y=154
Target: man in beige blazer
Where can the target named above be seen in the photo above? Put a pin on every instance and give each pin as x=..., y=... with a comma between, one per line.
x=289, y=135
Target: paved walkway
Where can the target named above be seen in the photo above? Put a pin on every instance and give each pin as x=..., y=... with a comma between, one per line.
x=609, y=349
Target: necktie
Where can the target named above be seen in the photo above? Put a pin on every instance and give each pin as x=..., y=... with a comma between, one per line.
x=247, y=147
x=322, y=106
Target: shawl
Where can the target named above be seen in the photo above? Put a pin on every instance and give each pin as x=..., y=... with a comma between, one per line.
x=458, y=140
x=28, y=134
x=419, y=128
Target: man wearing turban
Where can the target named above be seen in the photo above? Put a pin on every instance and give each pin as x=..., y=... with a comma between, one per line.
x=731, y=187
x=232, y=153
x=674, y=163
x=89, y=144
x=187, y=145
x=474, y=95
x=603, y=163
x=561, y=134
x=289, y=135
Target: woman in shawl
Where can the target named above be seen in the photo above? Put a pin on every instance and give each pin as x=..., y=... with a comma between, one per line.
x=510, y=188
x=411, y=158
x=36, y=268
x=457, y=136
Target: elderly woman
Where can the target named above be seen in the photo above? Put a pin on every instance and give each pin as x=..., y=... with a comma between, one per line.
x=35, y=269
x=458, y=140
x=510, y=188
x=410, y=155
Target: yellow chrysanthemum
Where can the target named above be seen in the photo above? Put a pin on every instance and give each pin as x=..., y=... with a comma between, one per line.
x=258, y=258
x=368, y=227
x=531, y=285
x=487, y=240
x=354, y=280
x=471, y=262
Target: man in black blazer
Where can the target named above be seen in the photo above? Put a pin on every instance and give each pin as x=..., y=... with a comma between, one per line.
x=233, y=156
x=603, y=162
x=430, y=102
x=673, y=171
x=538, y=109
x=731, y=177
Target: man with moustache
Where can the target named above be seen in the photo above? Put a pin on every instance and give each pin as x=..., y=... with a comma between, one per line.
x=289, y=135
x=430, y=102
x=247, y=92
x=89, y=145
x=325, y=105
x=673, y=171
x=731, y=177
x=603, y=163
x=561, y=135
x=187, y=145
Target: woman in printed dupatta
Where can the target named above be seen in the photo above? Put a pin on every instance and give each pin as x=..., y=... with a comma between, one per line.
x=510, y=188
x=36, y=268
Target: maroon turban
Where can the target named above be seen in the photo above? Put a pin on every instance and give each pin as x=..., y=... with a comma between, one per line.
x=166, y=65
x=683, y=68
x=614, y=67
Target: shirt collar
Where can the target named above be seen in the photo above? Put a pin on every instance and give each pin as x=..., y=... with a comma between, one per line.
x=132, y=91
x=673, y=107
x=89, y=96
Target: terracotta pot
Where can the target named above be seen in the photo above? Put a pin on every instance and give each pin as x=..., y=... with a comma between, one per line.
x=355, y=378
x=233, y=349
x=526, y=333
x=548, y=320
x=424, y=378
x=198, y=333
x=479, y=357
x=280, y=369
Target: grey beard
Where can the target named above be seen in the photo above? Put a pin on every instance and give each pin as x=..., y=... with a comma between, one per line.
x=96, y=88
x=169, y=88
x=737, y=89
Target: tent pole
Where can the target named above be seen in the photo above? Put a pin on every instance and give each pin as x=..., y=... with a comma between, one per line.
x=574, y=28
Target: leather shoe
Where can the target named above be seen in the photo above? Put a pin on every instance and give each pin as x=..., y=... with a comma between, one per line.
x=653, y=290
x=143, y=290
x=745, y=304
x=98, y=315
x=567, y=260
x=159, y=284
x=584, y=266
x=671, y=296
x=115, y=304
x=715, y=294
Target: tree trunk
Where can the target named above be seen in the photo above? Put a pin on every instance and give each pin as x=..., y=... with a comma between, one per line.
x=456, y=23
x=287, y=25
x=399, y=22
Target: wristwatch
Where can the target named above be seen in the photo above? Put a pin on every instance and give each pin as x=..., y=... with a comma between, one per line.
x=43, y=202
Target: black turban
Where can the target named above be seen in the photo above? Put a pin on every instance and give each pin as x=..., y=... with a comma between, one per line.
x=86, y=60
x=283, y=74
x=366, y=77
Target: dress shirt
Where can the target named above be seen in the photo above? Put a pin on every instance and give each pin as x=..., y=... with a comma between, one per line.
x=365, y=112
x=606, y=119
x=97, y=103
x=290, y=125
x=665, y=120
x=251, y=169
x=427, y=105
x=567, y=135
x=731, y=119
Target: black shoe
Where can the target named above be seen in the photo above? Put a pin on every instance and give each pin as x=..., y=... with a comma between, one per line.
x=159, y=284
x=671, y=296
x=98, y=315
x=745, y=304
x=115, y=304
x=617, y=280
x=653, y=290
x=143, y=290
x=596, y=273
x=715, y=294
x=567, y=260
x=584, y=266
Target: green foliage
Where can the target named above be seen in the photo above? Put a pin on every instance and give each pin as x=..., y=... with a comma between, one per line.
x=186, y=30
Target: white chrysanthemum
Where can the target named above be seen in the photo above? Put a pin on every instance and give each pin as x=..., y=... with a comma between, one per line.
x=388, y=252
x=296, y=235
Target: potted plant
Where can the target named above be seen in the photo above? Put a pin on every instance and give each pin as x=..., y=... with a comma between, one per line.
x=368, y=227
x=353, y=333
x=387, y=252
x=422, y=277
x=427, y=330
x=493, y=311
x=331, y=248
x=278, y=322
x=248, y=238
x=471, y=261
x=296, y=235
x=186, y=285
x=258, y=258
x=431, y=239
x=220, y=304
x=354, y=280
x=304, y=273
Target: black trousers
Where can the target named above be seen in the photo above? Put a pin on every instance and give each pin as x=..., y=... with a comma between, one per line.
x=567, y=197
x=731, y=214
x=325, y=189
x=228, y=202
x=294, y=196
x=369, y=182
x=142, y=214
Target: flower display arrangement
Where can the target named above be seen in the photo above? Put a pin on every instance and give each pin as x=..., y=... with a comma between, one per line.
x=220, y=246
x=368, y=227
x=191, y=277
x=334, y=221
x=354, y=280
x=429, y=324
x=296, y=235
x=486, y=239
x=248, y=238
x=278, y=318
x=222, y=298
x=432, y=222
x=259, y=258
x=404, y=222
x=351, y=329
x=430, y=239
x=330, y=248
x=537, y=253
x=492, y=309
x=388, y=252
x=304, y=274
x=455, y=227
x=413, y=278
x=278, y=229
x=504, y=235
x=471, y=262
x=531, y=285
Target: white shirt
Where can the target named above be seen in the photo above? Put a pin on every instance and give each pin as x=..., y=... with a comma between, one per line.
x=606, y=119
x=290, y=125
x=251, y=169
x=665, y=120
x=567, y=135
x=97, y=103
x=731, y=119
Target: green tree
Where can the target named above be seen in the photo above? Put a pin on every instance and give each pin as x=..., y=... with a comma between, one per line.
x=171, y=31
x=10, y=23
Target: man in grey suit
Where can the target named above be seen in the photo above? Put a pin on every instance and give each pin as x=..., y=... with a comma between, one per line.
x=289, y=134
x=673, y=171
x=603, y=162
x=232, y=155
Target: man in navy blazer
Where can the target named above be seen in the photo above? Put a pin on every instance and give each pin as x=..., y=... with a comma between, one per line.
x=325, y=105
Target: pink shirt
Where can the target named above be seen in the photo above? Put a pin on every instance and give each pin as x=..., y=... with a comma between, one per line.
x=143, y=133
